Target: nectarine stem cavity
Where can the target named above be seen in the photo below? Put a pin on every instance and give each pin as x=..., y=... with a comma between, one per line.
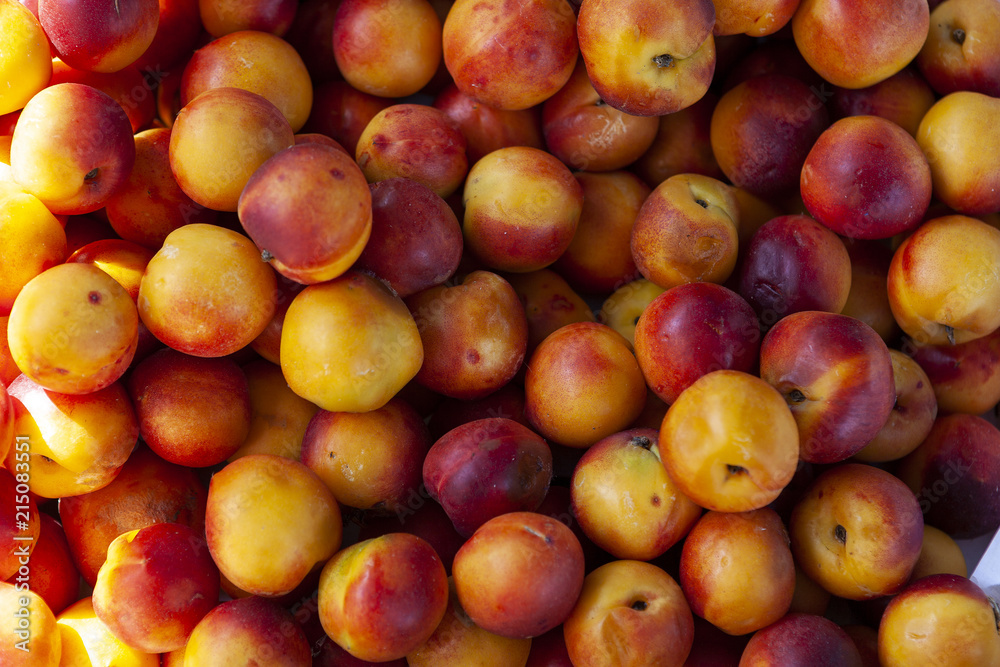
x=958, y=35
x=840, y=533
x=639, y=605
x=664, y=60
x=796, y=396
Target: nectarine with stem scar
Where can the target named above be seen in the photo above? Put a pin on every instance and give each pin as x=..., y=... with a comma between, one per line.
x=730, y=442
x=625, y=501
x=836, y=374
x=960, y=52
x=629, y=613
x=659, y=68
x=686, y=231
x=857, y=532
x=72, y=148
x=943, y=283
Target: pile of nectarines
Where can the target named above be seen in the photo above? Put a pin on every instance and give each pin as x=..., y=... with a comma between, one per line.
x=498, y=332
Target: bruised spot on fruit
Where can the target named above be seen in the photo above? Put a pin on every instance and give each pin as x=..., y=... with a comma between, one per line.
x=337, y=174
x=663, y=60
x=840, y=533
x=94, y=297
x=639, y=605
x=655, y=500
x=472, y=356
x=958, y=35
x=641, y=441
